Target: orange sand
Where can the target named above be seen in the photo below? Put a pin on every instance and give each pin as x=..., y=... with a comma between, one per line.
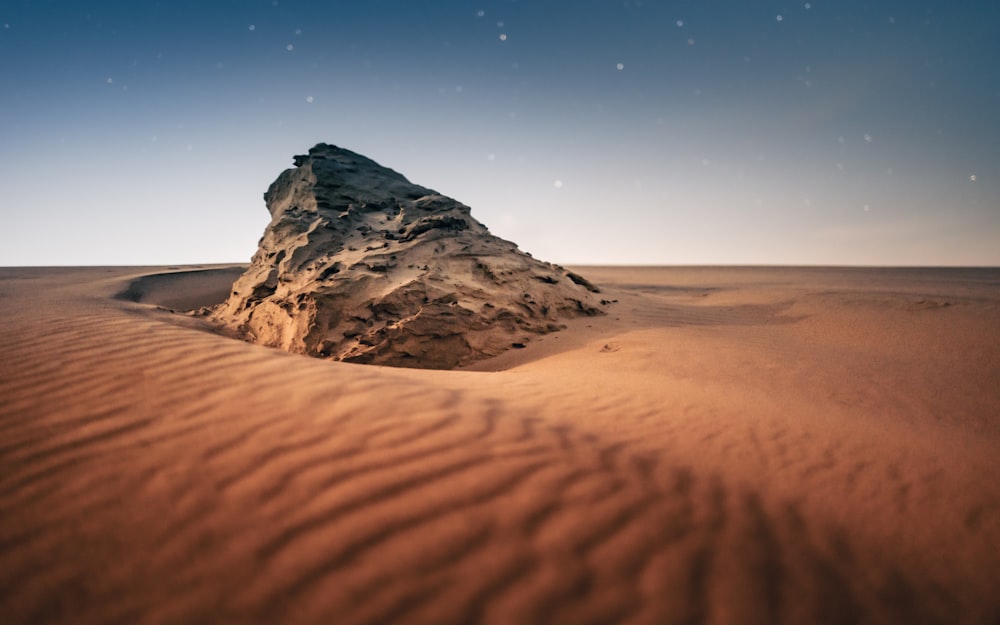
x=742, y=445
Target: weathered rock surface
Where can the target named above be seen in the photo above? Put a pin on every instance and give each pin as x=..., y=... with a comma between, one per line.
x=359, y=264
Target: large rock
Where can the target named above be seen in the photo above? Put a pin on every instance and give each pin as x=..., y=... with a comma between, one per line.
x=359, y=264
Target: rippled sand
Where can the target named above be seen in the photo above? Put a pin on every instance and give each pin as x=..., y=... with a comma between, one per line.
x=746, y=445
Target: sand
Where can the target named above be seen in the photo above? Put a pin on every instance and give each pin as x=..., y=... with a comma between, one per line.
x=728, y=445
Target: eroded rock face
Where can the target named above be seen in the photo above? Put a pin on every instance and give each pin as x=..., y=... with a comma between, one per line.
x=359, y=264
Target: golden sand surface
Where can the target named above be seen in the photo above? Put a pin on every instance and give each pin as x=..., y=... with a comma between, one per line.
x=728, y=445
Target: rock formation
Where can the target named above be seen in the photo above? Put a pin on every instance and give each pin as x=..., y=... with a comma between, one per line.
x=358, y=264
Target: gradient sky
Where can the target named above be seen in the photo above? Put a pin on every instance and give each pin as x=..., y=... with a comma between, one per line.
x=588, y=131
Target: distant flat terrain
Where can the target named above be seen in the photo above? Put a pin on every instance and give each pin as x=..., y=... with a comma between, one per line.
x=727, y=445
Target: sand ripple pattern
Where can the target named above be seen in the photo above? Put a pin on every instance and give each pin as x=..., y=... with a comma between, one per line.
x=154, y=474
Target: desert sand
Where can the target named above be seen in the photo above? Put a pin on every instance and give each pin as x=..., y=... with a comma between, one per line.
x=726, y=445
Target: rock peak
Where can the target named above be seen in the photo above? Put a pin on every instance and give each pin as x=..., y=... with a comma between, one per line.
x=360, y=264
x=342, y=156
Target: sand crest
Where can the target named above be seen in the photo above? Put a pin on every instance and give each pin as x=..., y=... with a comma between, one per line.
x=742, y=445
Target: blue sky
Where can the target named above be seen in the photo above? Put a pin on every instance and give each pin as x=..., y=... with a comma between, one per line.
x=707, y=132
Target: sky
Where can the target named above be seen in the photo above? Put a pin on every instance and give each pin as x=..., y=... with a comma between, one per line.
x=820, y=132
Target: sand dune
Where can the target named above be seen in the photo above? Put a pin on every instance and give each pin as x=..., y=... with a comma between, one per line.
x=743, y=445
